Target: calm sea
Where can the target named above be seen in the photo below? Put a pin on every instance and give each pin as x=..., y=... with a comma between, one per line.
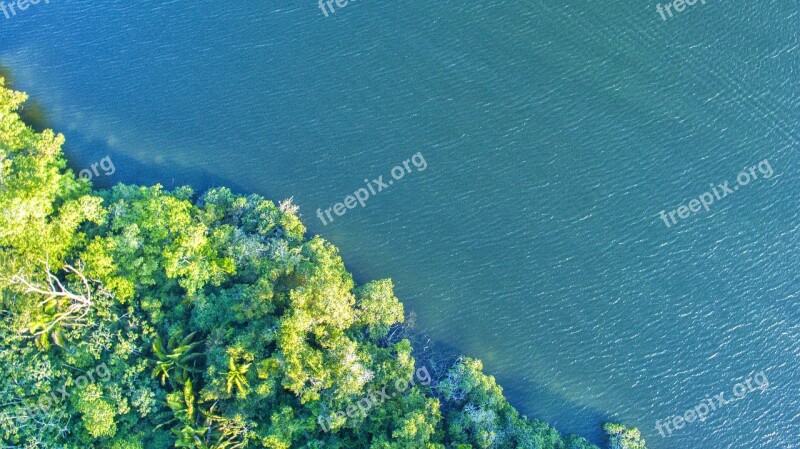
x=554, y=133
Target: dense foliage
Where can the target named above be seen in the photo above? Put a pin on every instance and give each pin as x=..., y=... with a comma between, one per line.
x=139, y=318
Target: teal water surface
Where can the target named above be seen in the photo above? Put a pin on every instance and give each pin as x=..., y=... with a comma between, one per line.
x=554, y=134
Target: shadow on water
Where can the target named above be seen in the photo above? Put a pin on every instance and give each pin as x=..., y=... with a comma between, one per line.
x=81, y=151
x=573, y=417
x=32, y=112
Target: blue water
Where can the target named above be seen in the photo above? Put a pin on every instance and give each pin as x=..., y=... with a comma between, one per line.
x=554, y=134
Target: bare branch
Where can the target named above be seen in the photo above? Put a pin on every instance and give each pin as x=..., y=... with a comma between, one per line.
x=78, y=305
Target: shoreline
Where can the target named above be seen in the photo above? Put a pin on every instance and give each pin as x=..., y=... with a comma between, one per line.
x=207, y=265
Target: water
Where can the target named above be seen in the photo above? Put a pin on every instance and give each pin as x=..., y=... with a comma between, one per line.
x=554, y=135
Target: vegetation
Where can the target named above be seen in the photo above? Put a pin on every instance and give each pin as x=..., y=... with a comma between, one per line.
x=217, y=323
x=624, y=438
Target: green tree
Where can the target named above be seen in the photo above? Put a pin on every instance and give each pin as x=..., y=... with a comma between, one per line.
x=623, y=437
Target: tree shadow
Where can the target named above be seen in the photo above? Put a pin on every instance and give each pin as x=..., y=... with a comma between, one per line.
x=572, y=418
x=81, y=151
x=32, y=112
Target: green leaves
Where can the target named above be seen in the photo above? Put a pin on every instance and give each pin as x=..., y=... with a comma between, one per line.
x=377, y=308
x=236, y=378
x=190, y=437
x=98, y=415
x=43, y=204
x=178, y=359
x=623, y=437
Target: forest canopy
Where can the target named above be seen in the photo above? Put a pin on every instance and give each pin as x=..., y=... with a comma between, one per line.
x=142, y=318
